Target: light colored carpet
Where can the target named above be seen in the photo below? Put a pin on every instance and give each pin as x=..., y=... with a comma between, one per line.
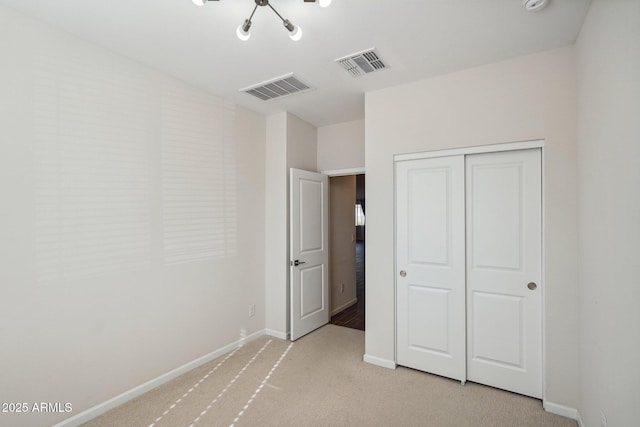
x=321, y=380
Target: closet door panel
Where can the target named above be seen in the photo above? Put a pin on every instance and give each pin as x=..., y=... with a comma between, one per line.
x=503, y=244
x=430, y=265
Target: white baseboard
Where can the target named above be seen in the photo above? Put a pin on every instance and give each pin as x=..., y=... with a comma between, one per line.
x=344, y=306
x=277, y=334
x=565, y=411
x=389, y=364
x=114, y=402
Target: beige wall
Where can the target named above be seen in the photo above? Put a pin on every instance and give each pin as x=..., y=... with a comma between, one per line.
x=608, y=52
x=276, y=226
x=342, y=262
x=341, y=146
x=531, y=97
x=302, y=144
x=291, y=143
x=86, y=336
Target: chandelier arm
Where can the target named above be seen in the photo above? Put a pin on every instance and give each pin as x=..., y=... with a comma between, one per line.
x=254, y=11
x=276, y=12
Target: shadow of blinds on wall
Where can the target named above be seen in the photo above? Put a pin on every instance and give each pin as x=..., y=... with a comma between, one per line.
x=91, y=167
x=198, y=176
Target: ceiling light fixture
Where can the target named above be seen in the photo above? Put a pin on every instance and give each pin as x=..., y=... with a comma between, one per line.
x=295, y=32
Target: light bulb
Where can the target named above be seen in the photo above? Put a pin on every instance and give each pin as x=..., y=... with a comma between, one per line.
x=242, y=34
x=325, y=3
x=199, y=2
x=296, y=34
x=243, y=30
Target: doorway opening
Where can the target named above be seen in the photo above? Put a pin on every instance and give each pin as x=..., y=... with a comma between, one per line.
x=347, y=255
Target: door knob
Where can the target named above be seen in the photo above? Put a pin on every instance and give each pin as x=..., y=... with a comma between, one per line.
x=532, y=286
x=403, y=273
x=297, y=262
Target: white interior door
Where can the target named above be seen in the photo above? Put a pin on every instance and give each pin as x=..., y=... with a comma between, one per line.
x=430, y=265
x=504, y=298
x=309, y=254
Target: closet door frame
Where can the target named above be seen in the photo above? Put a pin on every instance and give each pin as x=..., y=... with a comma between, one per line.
x=480, y=149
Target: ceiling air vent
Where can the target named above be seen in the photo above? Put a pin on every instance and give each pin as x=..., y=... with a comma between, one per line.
x=277, y=88
x=361, y=63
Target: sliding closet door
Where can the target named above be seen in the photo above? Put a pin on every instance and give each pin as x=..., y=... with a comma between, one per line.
x=504, y=327
x=430, y=265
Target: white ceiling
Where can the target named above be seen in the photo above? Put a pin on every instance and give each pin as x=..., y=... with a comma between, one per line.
x=417, y=39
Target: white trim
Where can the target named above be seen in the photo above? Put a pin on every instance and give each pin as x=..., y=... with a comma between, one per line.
x=543, y=276
x=477, y=149
x=395, y=262
x=344, y=306
x=123, y=398
x=343, y=172
x=565, y=411
x=277, y=334
x=385, y=363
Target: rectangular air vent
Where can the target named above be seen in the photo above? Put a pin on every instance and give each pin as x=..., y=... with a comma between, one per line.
x=277, y=88
x=361, y=63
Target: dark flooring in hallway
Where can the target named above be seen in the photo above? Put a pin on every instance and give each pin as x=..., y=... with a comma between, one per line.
x=353, y=317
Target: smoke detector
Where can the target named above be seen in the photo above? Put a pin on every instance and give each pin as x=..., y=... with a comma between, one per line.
x=534, y=5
